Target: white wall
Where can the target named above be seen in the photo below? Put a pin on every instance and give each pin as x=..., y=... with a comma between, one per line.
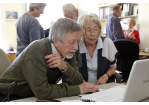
x=143, y=20
x=2, y=25
x=8, y=26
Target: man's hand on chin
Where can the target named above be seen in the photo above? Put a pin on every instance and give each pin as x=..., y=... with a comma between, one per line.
x=55, y=60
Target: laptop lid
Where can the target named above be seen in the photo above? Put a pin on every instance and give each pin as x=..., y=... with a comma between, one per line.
x=137, y=87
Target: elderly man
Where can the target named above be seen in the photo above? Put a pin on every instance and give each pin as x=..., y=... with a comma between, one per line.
x=40, y=65
x=70, y=11
x=113, y=26
x=28, y=28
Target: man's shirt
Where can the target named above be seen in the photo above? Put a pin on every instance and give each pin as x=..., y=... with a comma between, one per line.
x=113, y=28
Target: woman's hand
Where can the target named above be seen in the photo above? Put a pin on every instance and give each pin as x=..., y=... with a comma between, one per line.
x=126, y=37
x=132, y=37
x=102, y=80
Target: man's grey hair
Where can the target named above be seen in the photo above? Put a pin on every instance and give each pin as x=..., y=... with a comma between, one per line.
x=37, y=5
x=69, y=7
x=62, y=27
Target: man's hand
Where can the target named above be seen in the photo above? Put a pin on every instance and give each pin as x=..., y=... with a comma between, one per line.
x=55, y=60
x=102, y=80
x=88, y=87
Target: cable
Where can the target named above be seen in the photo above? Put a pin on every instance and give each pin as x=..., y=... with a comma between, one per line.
x=9, y=93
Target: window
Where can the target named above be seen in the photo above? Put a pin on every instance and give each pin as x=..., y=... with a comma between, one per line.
x=52, y=12
x=90, y=7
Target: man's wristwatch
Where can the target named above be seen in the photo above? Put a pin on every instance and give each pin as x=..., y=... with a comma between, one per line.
x=67, y=67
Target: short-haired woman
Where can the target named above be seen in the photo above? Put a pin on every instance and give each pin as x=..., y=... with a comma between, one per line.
x=96, y=56
x=131, y=33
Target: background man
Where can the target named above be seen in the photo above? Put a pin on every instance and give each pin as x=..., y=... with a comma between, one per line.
x=28, y=28
x=113, y=26
x=37, y=76
x=70, y=11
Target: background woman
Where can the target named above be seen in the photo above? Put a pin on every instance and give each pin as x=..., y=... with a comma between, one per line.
x=131, y=33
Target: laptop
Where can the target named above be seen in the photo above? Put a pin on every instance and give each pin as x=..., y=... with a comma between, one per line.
x=137, y=87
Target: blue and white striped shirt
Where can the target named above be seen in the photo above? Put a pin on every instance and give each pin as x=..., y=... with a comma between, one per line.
x=113, y=28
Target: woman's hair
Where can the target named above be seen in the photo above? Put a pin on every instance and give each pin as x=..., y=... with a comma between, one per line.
x=69, y=7
x=133, y=20
x=37, y=5
x=83, y=20
x=61, y=27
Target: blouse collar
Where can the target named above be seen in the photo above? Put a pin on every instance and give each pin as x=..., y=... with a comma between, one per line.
x=130, y=32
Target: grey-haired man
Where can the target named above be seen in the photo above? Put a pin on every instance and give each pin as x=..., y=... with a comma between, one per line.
x=28, y=28
x=39, y=66
x=70, y=11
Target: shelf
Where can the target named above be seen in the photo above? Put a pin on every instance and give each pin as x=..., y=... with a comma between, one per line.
x=104, y=33
x=113, y=4
x=103, y=20
x=131, y=16
x=110, y=5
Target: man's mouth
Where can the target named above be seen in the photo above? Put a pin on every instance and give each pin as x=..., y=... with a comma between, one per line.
x=72, y=52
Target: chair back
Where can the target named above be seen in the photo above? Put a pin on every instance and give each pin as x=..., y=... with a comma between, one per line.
x=129, y=52
x=4, y=61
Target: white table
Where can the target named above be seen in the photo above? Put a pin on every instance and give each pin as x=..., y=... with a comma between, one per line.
x=104, y=86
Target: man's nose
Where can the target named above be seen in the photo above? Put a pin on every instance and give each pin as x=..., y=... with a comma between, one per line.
x=41, y=12
x=75, y=46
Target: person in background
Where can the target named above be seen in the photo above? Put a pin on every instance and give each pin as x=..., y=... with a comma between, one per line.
x=28, y=28
x=113, y=26
x=44, y=61
x=131, y=33
x=97, y=55
x=70, y=11
x=46, y=32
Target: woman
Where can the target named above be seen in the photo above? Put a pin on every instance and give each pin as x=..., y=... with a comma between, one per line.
x=131, y=33
x=96, y=55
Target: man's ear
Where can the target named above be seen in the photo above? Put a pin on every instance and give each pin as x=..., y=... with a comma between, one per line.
x=35, y=8
x=55, y=41
x=75, y=11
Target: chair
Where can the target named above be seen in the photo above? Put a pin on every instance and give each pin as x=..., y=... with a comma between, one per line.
x=4, y=61
x=4, y=64
x=129, y=52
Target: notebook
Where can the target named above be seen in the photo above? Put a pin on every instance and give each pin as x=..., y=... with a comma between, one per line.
x=137, y=87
